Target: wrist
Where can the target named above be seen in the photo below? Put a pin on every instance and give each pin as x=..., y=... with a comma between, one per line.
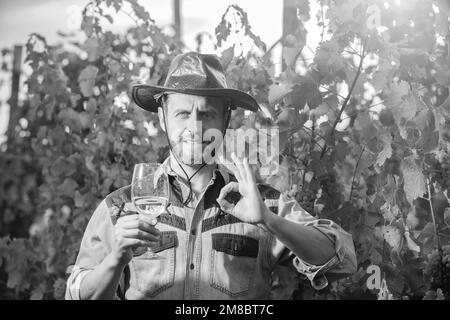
x=116, y=262
x=268, y=218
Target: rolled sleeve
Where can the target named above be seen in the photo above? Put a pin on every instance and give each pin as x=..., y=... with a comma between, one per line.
x=74, y=281
x=96, y=244
x=342, y=263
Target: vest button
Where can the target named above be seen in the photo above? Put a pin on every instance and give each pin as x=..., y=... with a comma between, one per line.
x=193, y=232
x=191, y=266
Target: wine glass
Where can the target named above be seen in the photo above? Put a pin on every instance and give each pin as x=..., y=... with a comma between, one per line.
x=149, y=194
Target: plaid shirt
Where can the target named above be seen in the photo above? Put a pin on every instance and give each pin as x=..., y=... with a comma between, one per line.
x=208, y=254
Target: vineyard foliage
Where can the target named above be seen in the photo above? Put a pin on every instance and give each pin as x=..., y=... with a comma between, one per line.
x=364, y=137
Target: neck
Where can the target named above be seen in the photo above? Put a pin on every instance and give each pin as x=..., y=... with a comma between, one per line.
x=199, y=180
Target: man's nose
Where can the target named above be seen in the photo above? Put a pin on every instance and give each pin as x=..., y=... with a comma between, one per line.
x=194, y=124
x=194, y=116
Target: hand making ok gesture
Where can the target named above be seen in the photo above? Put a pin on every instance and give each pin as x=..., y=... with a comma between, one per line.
x=251, y=207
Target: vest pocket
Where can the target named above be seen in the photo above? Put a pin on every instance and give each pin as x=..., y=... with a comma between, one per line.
x=152, y=276
x=233, y=263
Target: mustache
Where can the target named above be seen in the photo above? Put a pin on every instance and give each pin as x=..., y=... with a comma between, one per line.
x=192, y=138
x=198, y=140
x=195, y=141
x=195, y=137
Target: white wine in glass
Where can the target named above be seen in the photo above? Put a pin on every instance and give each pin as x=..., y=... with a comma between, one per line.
x=149, y=194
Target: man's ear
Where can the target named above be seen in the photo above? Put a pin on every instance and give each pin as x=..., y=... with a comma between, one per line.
x=227, y=118
x=161, y=119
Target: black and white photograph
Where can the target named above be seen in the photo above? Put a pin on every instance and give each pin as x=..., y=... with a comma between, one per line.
x=236, y=152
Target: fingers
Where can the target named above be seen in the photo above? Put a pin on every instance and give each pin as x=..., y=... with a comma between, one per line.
x=135, y=217
x=130, y=217
x=231, y=167
x=232, y=186
x=133, y=243
x=136, y=228
x=240, y=168
x=248, y=171
x=225, y=205
x=137, y=234
x=244, y=169
x=140, y=225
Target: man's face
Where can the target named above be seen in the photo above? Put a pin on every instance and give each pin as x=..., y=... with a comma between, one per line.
x=188, y=118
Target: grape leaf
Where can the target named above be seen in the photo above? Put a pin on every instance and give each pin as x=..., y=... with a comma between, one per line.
x=406, y=110
x=381, y=77
x=322, y=109
x=425, y=120
x=414, y=179
x=392, y=236
x=442, y=76
x=410, y=243
x=227, y=56
x=280, y=181
x=68, y=187
x=396, y=92
x=86, y=80
x=14, y=278
x=430, y=141
x=386, y=153
x=445, y=106
x=92, y=48
x=277, y=92
x=38, y=293
x=85, y=119
x=364, y=126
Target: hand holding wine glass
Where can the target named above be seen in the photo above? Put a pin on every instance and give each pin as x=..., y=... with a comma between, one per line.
x=149, y=194
x=131, y=232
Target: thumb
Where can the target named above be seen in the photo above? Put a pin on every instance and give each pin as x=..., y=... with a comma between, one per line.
x=230, y=187
x=225, y=205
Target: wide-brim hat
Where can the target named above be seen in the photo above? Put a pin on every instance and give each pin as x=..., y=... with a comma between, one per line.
x=197, y=74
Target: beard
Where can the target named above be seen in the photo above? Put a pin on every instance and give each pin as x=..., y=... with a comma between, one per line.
x=189, y=149
x=190, y=152
x=195, y=150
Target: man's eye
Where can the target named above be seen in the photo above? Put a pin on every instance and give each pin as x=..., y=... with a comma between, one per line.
x=207, y=115
x=183, y=114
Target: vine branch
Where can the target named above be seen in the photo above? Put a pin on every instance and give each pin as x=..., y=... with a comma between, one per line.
x=347, y=99
x=433, y=216
x=354, y=174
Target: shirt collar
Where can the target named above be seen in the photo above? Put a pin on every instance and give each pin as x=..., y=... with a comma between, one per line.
x=221, y=169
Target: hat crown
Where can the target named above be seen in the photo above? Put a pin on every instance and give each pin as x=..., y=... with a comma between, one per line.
x=195, y=71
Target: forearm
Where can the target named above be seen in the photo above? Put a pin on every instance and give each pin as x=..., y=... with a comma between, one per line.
x=102, y=282
x=308, y=243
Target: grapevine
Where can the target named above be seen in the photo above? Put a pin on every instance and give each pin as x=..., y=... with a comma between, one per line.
x=440, y=171
x=438, y=270
x=306, y=198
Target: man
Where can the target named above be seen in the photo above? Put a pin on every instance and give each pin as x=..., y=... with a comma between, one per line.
x=215, y=245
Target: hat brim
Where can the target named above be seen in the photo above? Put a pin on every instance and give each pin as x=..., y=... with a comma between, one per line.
x=144, y=96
